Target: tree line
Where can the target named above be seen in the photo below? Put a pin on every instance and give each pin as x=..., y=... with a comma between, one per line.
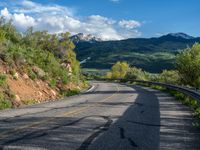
x=187, y=70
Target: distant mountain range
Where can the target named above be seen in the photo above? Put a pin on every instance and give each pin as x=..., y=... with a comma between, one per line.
x=150, y=54
x=180, y=35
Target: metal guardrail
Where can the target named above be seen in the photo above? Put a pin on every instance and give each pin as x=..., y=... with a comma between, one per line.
x=188, y=91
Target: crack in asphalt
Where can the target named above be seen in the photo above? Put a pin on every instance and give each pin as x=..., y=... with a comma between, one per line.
x=142, y=111
x=84, y=145
x=146, y=124
x=132, y=143
x=122, y=136
x=103, y=128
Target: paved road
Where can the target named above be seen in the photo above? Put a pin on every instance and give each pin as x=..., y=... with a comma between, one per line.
x=110, y=117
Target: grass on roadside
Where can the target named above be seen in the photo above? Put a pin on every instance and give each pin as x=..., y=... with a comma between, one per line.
x=30, y=102
x=4, y=103
x=67, y=93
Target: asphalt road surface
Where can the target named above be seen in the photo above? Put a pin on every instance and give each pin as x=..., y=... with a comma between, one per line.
x=111, y=116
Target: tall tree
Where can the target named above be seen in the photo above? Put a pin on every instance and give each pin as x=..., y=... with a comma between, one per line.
x=119, y=70
x=188, y=66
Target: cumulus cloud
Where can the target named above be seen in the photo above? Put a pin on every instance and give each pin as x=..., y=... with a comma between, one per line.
x=5, y=13
x=57, y=19
x=21, y=21
x=58, y=24
x=101, y=27
x=26, y=6
x=100, y=20
x=129, y=24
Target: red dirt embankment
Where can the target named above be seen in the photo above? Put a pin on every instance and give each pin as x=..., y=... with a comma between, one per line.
x=26, y=90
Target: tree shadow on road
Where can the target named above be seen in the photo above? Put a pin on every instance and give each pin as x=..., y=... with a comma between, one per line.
x=153, y=121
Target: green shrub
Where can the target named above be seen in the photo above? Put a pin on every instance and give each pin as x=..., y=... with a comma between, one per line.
x=53, y=83
x=9, y=94
x=169, y=76
x=69, y=92
x=197, y=112
x=32, y=75
x=188, y=66
x=118, y=70
x=12, y=72
x=29, y=101
x=1, y=95
x=45, y=78
x=2, y=79
x=64, y=78
x=3, y=102
x=136, y=74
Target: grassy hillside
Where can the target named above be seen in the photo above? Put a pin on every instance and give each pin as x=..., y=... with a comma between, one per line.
x=35, y=66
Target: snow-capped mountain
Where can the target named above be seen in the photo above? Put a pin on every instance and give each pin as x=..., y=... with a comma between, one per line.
x=80, y=37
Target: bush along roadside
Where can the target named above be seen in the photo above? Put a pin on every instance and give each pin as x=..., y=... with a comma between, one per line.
x=5, y=93
x=36, y=66
x=183, y=98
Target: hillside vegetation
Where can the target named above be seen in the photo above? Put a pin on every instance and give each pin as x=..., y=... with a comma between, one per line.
x=43, y=63
x=187, y=71
x=152, y=55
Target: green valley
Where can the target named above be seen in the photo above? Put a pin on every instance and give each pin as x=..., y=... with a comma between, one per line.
x=150, y=54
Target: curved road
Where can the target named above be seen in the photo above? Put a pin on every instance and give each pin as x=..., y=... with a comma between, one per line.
x=110, y=117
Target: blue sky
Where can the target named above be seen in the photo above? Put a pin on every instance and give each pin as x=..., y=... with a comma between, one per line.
x=107, y=19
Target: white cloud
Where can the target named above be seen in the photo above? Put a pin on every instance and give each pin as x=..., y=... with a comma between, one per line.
x=26, y=6
x=100, y=19
x=58, y=24
x=101, y=27
x=129, y=24
x=5, y=13
x=57, y=19
x=96, y=25
x=21, y=21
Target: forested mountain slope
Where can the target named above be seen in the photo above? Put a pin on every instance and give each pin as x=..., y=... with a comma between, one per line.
x=150, y=54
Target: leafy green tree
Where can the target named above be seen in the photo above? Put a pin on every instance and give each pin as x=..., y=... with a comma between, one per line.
x=169, y=76
x=188, y=66
x=119, y=70
x=11, y=32
x=136, y=74
x=109, y=75
x=75, y=65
